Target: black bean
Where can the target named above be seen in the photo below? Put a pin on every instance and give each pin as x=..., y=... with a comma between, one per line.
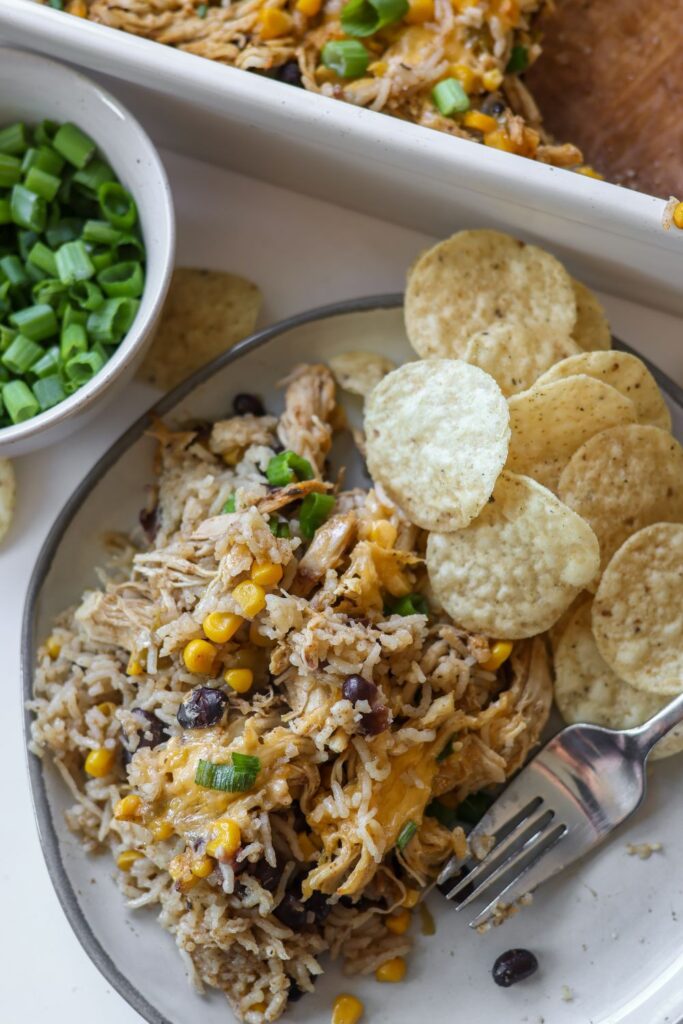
x=149, y=729
x=248, y=405
x=291, y=912
x=357, y=688
x=318, y=905
x=265, y=874
x=493, y=105
x=289, y=72
x=375, y=721
x=295, y=993
x=203, y=708
x=513, y=966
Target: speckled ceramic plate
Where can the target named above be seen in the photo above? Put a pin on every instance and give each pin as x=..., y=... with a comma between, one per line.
x=609, y=929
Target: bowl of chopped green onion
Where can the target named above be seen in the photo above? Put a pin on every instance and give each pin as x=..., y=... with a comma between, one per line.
x=86, y=248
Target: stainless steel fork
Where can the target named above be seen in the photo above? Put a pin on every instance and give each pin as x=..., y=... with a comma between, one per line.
x=584, y=783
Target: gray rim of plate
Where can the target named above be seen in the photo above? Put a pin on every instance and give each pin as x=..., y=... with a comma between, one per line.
x=46, y=830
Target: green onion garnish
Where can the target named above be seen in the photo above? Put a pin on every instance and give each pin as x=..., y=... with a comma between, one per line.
x=20, y=403
x=229, y=505
x=21, y=355
x=36, y=322
x=450, y=97
x=28, y=209
x=48, y=364
x=406, y=834
x=49, y=391
x=73, y=341
x=201, y=10
x=122, y=279
x=14, y=139
x=410, y=604
x=74, y=145
x=315, y=508
x=10, y=170
x=237, y=777
x=5, y=211
x=117, y=205
x=91, y=177
x=101, y=232
x=279, y=527
x=84, y=365
x=73, y=263
x=42, y=183
x=365, y=17
x=44, y=158
x=112, y=320
x=519, y=60
x=14, y=271
x=44, y=258
x=287, y=468
x=347, y=57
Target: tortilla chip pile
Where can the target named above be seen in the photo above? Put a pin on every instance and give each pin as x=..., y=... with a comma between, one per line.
x=543, y=467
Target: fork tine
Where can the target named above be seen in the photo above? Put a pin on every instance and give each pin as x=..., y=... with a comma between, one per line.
x=497, y=861
x=536, y=867
x=507, y=811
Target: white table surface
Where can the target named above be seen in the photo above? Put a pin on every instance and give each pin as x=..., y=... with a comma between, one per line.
x=302, y=253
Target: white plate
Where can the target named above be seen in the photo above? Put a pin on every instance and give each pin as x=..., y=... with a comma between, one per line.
x=369, y=161
x=609, y=929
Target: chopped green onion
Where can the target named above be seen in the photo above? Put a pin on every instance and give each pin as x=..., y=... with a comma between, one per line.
x=28, y=209
x=246, y=762
x=74, y=316
x=5, y=211
x=101, y=232
x=117, y=205
x=112, y=320
x=122, y=279
x=21, y=355
x=229, y=778
x=86, y=294
x=10, y=170
x=450, y=97
x=83, y=366
x=347, y=57
x=50, y=293
x=474, y=807
x=45, y=158
x=43, y=184
x=48, y=364
x=57, y=4
x=406, y=834
x=95, y=174
x=201, y=10
x=279, y=527
x=99, y=257
x=14, y=139
x=7, y=336
x=43, y=258
x=14, y=271
x=410, y=604
x=519, y=60
x=74, y=145
x=315, y=508
x=20, y=402
x=45, y=132
x=49, y=391
x=287, y=468
x=229, y=505
x=34, y=274
x=73, y=263
x=74, y=340
x=26, y=240
x=35, y=322
x=446, y=752
x=68, y=229
x=365, y=17
x=446, y=816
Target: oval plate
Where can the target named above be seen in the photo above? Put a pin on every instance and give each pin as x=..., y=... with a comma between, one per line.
x=608, y=929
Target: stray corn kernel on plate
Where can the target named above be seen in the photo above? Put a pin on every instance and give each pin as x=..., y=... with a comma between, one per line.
x=291, y=691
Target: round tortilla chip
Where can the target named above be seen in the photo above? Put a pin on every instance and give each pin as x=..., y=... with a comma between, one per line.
x=477, y=278
x=437, y=436
x=359, y=372
x=622, y=371
x=591, y=330
x=623, y=479
x=587, y=690
x=638, y=610
x=515, y=569
x=7, y=495
x=550, y=421
x=514, y=356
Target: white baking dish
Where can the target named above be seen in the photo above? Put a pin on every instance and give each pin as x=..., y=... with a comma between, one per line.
x=368, y=161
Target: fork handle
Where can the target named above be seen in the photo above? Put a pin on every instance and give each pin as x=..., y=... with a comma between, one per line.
x=647, y=734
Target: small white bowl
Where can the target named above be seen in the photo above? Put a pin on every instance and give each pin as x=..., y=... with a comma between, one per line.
x=31, y=89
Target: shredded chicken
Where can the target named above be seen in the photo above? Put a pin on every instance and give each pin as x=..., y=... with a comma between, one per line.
x=309, y=404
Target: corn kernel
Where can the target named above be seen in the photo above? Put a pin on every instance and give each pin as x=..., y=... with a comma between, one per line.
x=177, y=867
x=309, y=7
x=161, y=829
x=466, y=76
x=383, y=533
x=500, y=652
x=378, y=68
x=202, y=867
x=78, y=8
x=420, y=11
x=492, y=79
x=677, y=215
x=323, y=74
x=100, y=762
x=274, y=22
x=499, y=140
x=258, y=1007
x=257, y=638
x=347, y=1010
x=411, y=898
x=53, y=647
x=107, y=707
x=226, y=839
x=134, y=666
x=127, y=808
x=239, y=679
x=398, y=924
x=307, y=848
x=266, y=574
x=221, y=626
x=590, y=172
x=392, y=971
x=480, y=122
x=232, y=456
x=250, y=597
x=126, y=859
x=199, y=656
